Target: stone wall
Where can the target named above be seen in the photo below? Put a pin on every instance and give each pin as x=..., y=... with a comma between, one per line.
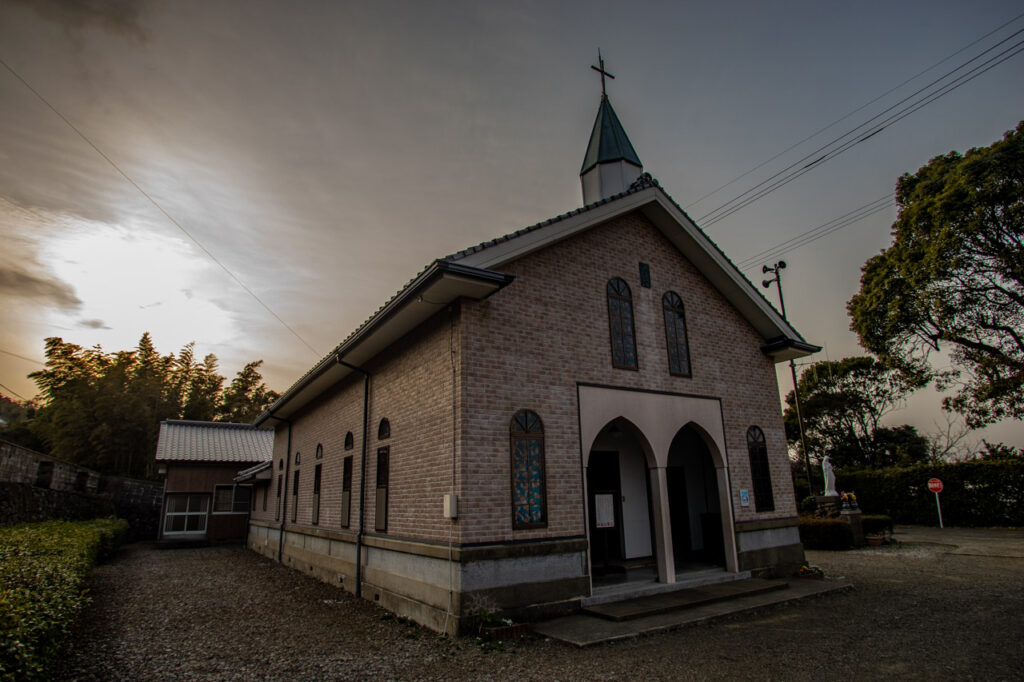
x=38, y=487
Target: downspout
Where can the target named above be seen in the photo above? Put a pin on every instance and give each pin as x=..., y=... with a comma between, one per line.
x=284, y=485
x=362, y=473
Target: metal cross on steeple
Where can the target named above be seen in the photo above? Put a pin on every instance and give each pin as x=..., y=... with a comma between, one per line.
x=600, y=60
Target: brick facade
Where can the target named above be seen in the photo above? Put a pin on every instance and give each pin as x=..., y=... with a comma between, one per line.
x=528, y=346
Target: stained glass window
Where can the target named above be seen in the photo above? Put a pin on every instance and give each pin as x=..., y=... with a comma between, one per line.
x=529, y=503
x=620, y=324
x=764, y=499
x=675, y=335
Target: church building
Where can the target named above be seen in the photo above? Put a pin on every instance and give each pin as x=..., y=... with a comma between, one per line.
x=535, y=421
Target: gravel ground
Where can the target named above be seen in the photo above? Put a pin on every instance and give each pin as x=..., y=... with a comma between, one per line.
x=224, y=613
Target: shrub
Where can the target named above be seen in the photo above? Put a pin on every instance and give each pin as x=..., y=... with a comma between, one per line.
x=980, y=492
x=876, y=524
x=43, y=568
x=831, y=534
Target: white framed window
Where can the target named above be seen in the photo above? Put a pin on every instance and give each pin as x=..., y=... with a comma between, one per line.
x=186, y=514
x=231, y=499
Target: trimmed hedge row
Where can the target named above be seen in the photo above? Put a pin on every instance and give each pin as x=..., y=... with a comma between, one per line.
x=824, y=533
x=975, y=493
x=43, y=568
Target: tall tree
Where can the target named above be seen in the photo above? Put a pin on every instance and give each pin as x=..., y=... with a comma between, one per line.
x=247, y=395
x=103, y=410
x=843, y=404
x=953, y=280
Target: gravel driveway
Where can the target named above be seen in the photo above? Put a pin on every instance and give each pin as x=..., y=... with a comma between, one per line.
x=224, y=613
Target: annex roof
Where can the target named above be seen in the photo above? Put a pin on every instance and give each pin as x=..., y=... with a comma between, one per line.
x=473, y=273
x=608, y=140
x=195, y=441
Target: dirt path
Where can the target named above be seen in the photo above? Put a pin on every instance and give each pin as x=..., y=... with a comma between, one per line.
x=917, y=612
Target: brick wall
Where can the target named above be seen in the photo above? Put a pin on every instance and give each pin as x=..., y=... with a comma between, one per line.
x=528, y=345
x=411, y=387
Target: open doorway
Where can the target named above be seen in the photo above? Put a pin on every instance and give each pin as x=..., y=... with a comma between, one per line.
x=694, y=504
x=618, y=504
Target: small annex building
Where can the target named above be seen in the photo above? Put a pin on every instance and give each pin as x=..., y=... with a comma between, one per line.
x=199, y=462
x=588, y=400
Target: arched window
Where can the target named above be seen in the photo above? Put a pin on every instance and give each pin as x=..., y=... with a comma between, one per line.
x=529, y=501
x=380, y=522
x=760, y=473
x=298, y=457
x=349, y=441
x=620, y=324
x=675, y=335
x=319, y=451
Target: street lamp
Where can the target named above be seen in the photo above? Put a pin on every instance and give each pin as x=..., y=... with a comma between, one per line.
x=776, y=270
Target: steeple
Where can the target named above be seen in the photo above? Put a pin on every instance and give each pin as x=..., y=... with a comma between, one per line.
x=611, y=164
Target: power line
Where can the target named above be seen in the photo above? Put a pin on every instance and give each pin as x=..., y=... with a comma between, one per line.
x=860, y=108
x=22, y=357
x=789, y=174
x=804, y=238
x=13, y=392
x=160, y=208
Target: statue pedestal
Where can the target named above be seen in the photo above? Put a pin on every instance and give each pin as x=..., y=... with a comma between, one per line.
x=853, y=518
x=829, y=505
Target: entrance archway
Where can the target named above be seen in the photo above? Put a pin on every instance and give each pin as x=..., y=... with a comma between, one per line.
x=618, y=500
x=694, y=503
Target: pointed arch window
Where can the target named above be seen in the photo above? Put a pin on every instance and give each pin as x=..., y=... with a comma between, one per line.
x=349, y=441
x=620, y=324
x=760, y=472
x=384, y=429
x=675, y=335
x=529, y=498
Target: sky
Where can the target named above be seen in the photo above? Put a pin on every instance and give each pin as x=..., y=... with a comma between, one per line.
x=186, y=168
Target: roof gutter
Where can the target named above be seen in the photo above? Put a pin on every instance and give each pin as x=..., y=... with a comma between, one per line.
x=436, y=271
x=362, y=472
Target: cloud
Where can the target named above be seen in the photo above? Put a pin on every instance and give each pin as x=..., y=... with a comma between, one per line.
x=115, y=16
x=16, y=282
x=93, y=324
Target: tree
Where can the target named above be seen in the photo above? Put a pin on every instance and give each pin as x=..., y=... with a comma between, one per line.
x=103, y=410
x=843, y=404
x=953, y=280
x=247, y=395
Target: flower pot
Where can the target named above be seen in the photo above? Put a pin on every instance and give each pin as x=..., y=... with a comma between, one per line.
x=874, y=541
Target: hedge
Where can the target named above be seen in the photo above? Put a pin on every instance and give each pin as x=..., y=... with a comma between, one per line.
x=823, y=533
x=975, y=493
x=43, y=568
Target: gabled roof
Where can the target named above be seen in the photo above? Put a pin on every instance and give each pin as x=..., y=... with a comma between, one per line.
x=608, y=140
x=472, y=273
x=194, y=441
x=783, y=342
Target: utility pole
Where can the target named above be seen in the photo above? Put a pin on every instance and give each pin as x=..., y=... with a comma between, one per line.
x=776, y=270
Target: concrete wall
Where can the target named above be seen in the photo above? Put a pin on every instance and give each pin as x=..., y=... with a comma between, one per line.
x=71, y=492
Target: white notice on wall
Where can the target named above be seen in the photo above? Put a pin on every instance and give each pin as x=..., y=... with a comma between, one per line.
x=744, y=498
x=604, y=510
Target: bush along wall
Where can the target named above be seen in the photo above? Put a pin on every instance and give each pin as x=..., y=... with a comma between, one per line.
x=975, y=493
x=43, y=569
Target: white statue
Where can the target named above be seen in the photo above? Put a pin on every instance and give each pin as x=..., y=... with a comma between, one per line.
x=830, y=477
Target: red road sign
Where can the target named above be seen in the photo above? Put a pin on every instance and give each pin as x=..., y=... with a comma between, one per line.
x=935, y=485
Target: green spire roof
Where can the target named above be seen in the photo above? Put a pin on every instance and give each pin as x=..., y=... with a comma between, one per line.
x=608, y=141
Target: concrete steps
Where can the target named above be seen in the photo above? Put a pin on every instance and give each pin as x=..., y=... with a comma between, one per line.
x=584, y=629
x=682, y=599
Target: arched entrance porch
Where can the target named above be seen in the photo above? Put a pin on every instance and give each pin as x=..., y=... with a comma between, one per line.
x=641, y=427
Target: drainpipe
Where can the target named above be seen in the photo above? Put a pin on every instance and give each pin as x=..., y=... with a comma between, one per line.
x=362, y=473
x=284, y=486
